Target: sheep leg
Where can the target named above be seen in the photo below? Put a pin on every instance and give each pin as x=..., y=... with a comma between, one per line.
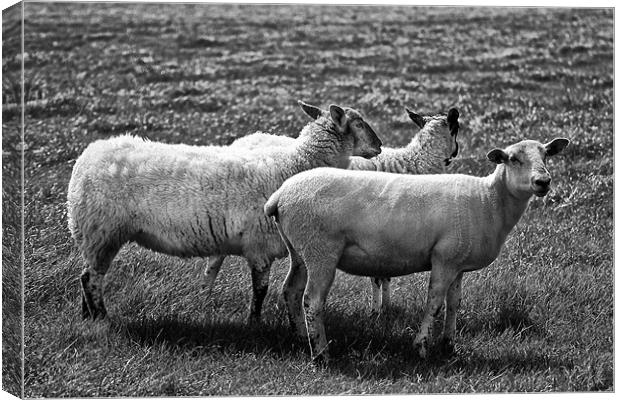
x=210, y=273
x=293, y=292
x=98, y=259
x=380, y=294
x=321, y=261
x=385, y=294
x=260, y=285
x=317, y=288
x=92, y=294
x=453, y=302
x=376, y=294
x=442, y=277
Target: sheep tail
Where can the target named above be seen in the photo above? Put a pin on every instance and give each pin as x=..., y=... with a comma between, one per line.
x=271, y=206
x=271, y=210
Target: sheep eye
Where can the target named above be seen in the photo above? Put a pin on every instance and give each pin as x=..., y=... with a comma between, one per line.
x=514, y=159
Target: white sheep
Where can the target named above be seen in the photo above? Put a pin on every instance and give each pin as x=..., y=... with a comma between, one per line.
x=380, y=224
x=430, y=151
x=196, y=200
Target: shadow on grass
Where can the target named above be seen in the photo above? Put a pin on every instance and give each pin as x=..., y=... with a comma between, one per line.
x=390, y=354
x=361, y=345
x=508, y=318
x=225, y=335
x=356, y=332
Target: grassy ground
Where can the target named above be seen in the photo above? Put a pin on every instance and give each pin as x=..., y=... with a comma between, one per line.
x=539, y=319
x=11, y=226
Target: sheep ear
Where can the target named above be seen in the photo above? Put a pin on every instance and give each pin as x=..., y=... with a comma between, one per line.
x=338, y=116
x=555, y=146
x=453, y=121
x=498, y=156
x=312, y=111
x=453, y=115
x=417, y=119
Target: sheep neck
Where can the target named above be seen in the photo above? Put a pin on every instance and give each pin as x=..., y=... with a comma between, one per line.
x=427, y=150
x=423, y=155
x=427, y=158
x=394, y=160
x=509, y=207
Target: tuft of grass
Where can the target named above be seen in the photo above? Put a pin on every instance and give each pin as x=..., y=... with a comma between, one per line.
x=540, y=318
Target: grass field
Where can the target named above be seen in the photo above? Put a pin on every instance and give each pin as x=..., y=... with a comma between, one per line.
x=539, y=319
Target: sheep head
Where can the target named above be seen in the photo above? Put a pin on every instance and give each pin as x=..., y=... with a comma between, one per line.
x=525, y=168
x=348, y=122
x=440, y=130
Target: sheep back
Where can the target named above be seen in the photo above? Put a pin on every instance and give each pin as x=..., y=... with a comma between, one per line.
x=400, y=220
x=260, y=139
x=177, y=199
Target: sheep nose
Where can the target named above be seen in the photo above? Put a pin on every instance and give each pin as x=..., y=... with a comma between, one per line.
x=542, y=181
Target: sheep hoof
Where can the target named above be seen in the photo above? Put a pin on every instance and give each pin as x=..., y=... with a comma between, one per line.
x=446, y=347
x=281, y=304
x=85, y=310
x=421, y=349
x=321, y=360
x=207, y=289
x=101, y=314
x=253, y=319
x=93, y=312
x=96, y=315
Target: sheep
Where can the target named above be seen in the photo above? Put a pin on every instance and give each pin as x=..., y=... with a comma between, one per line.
x=196, y=200
x=381, y=224
x=431, y=150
